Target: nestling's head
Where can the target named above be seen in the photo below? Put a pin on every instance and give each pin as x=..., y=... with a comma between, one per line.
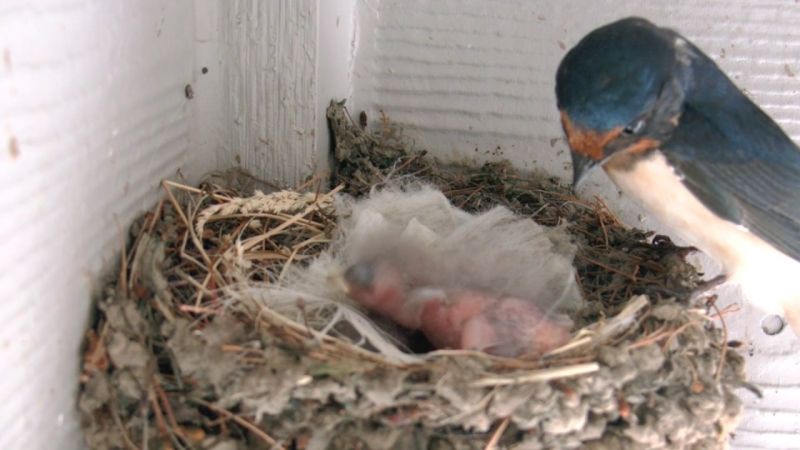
x=377, y=285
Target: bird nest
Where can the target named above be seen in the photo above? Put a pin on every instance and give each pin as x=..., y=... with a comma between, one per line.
x=174, y=360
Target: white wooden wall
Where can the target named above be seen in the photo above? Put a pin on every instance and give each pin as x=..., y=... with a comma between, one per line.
x=92, y=115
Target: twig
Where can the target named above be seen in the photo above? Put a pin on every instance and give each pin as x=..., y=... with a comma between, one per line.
x=676, y=332
x=186, y=256
x=498, y=433
x=724, y=351
x=201, y=288
x=314, y=179
x=195, y=190
x=467, y=411
x=258, y=432
x=607, y=267
x=200, y=292
x=320, y=238
x=541, y=208
x=656, y=336
x=399, y=169
x=197, y=310
x=603, y=227
x=469, y=197
x=252, y=242
x=122, y=430
x=156, y=215
x=538, y=375
x=310, y=224
x=569, y=346
x=168, y=409
x=190, y=229
x=159, y=415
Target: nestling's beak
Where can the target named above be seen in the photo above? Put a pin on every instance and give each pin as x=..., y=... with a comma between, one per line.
x=581, y=166
x=338, y=281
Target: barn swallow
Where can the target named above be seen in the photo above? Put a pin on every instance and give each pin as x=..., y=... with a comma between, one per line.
x=673, y=132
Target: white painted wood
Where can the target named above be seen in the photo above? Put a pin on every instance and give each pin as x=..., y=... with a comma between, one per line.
x=92, y=116
x=268, y=54
x=336, y=54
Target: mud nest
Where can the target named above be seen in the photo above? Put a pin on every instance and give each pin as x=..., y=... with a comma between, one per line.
x=171, y=362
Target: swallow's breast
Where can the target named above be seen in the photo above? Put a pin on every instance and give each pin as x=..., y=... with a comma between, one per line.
x=746, y=258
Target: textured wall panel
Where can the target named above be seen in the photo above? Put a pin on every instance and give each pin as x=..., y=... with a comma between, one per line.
x=269, y=57
x=335, y=59
x=92, y=116
x=475, y=80
x=467, y=76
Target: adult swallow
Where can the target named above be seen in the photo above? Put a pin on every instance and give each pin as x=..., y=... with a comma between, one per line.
x=675, y=134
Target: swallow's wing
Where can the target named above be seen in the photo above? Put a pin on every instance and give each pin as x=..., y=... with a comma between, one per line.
x=743, y=167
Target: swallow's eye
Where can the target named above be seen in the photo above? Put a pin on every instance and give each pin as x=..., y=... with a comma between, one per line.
x=635, y=127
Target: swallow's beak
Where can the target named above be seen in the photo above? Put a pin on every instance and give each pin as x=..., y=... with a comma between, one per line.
x=588, y=147
x=581, y=166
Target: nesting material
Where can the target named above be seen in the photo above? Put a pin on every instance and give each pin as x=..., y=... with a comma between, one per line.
x=222, y=329
x=434, y=267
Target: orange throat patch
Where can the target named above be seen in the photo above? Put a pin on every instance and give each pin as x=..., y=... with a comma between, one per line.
x=587, y=142
x=627, y=158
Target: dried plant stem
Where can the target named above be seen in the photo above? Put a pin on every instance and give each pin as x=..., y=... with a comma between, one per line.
x=498, y=433
x=538, y=376
x=252, y=242
x=311, y=225
x=331, y=343
x=162, y=396
x=194, y=190
x=654, y=337
x=250, y=426
x=163, y=428
x=723, y=352
x=127, y=439
x=607, y=267
x=186, y=222
x=674, y=334
x=318, y=239
x=201, y=288
x=154, y=219
x=576, y=343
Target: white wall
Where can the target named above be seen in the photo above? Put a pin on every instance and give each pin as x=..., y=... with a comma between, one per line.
x=474, y=80
x=92, y=115
x=273, y=66
x=268, y=51
x=478, y=74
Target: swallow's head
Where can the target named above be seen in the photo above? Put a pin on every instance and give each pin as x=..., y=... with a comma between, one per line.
x=620, y=89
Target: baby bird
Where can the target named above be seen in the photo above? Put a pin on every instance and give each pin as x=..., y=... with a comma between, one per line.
x=456, y=318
